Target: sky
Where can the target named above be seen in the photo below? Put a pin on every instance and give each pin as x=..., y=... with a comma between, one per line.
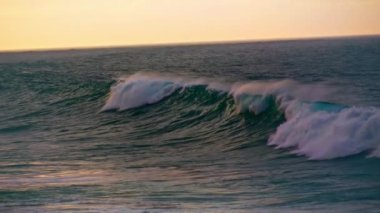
x=50, y=24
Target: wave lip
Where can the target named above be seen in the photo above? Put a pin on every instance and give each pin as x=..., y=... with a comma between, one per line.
x=313, y=128
x=138, y=90
x=141, y=89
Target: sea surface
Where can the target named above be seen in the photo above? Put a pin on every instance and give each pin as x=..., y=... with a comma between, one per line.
x=276, y=126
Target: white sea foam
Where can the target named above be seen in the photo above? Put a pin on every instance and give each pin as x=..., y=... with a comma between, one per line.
x=327, y=135
x=317, y=134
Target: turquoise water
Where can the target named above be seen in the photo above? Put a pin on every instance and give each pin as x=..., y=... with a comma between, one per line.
x=287, y=126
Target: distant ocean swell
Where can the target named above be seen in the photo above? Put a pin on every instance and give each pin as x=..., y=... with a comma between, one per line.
x=312, y=127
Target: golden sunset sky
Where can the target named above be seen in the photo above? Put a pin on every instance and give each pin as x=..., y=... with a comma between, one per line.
x=46, y=24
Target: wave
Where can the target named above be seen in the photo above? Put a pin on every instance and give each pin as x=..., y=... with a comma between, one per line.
x=314, y=127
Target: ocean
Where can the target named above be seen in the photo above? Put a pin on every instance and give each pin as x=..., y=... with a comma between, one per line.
x=272, y=126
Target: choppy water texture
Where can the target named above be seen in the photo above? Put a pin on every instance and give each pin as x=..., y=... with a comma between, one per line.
x=287, y=126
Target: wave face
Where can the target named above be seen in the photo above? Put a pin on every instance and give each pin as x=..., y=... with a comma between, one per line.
x=318, y=130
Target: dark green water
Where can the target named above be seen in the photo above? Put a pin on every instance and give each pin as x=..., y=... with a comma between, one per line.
x=290, y=126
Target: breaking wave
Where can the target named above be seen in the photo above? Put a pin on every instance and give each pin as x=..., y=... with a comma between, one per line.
x=314, y=126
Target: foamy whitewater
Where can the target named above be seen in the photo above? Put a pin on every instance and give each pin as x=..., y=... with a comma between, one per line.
x=287, y=126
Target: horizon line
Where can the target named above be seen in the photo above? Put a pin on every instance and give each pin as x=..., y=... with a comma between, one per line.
x=195, y=43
